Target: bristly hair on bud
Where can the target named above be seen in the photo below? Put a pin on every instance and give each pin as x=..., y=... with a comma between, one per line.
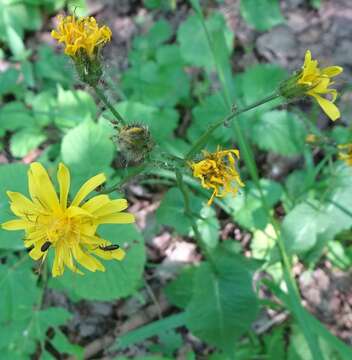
x=135, y=142
x=83, y=39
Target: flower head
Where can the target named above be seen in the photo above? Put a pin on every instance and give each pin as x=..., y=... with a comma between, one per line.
x=69, y=228
x=317, y=82
x=345, y=153
x=217, y=171
x=81, y=35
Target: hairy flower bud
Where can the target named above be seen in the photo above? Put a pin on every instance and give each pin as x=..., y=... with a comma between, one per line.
x=135, y=142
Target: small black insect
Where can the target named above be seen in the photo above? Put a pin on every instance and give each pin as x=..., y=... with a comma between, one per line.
x=45, y=246
x=109, y=247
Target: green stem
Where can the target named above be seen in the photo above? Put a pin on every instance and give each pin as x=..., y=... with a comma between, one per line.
x=204, y=138
x=188, y=211
x=108, y=104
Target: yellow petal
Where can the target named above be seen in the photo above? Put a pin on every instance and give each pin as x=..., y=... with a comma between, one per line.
x=41, y=188
x=114, y=206
x=63, y=178
x=88, y=187
x=120, y=218
x=330, y=109
x=17, y=224
x=89, y=262
x=96, y=203
x=117, y=254
x=58, y=265
x=74, y=211
x=332, y=71
x=36, y=253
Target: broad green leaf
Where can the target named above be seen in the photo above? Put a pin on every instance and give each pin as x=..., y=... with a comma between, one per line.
x=263, y=14
x=247, y=206
x=73, y=108
x=280, y=132
x=62, y=344
x=19, y=292
x=120, y=279
x=8, y=81
x=156, y=84
x=53, y=68
x=152, y=329
x=44, y=107
x=195, y=49
x=179, y=291
x=208, y=226
x=87, y=149
x=13, y=177
x=26, y=140
x=171, y=211
x=14, y=115
x=223, y=304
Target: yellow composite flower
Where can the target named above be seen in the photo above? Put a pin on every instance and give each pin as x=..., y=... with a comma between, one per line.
x=345, y=153
x=51, y=221
x=81, y=34
x=217, y=171
x=317, y=82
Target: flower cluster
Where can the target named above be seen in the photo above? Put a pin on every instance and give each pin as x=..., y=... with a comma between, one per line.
x=217, y=171
x=81, y=35
x=70, y=228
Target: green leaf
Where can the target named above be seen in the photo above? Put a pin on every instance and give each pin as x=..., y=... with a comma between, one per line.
x=248, y=209
x=26, y=140
x=74, y=107
x=13, y=177
x=280, y=132
x=14, y=115
x=209, y=227
x=152, y=329
x=87, y=149
x=223, y=304
x=263, y=14
x=44, y=107
x=195, y=49
x=120, y=279
x=53, y=68
x=18, y=291
x=8, y=81
x=179, y=291
x=171, y=211
x=62, y=344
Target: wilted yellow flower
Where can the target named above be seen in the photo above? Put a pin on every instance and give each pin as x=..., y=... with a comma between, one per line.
x=317, y=82
x=81, y=34
x=346, y=153
x=51, y=221
x=217, y=171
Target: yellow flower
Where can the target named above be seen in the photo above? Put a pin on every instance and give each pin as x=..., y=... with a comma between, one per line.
x=217, y=171
x=53, y=222
x=346, y=153
x=317, y=82
x=81, y=34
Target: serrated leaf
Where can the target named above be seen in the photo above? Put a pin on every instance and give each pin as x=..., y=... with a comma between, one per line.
x=230, y=305
x=280, y=132
x=15, y=115
x=120, y=279
x=13, y=177
x=263, y=14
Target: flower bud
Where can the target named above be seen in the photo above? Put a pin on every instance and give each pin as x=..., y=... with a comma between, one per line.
x=135, y=142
